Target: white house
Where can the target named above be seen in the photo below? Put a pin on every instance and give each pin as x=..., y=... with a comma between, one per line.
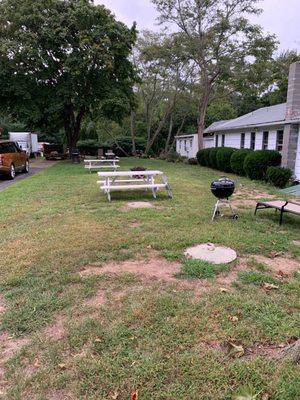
x=272, y=128
x=187, y=145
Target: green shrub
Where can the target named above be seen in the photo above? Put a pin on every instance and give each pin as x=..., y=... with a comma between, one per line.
x=173, y=156
x=213, y=157
x=88, y=147
x=278, y=176
x=203, y=157
x=223, y=158
x=237, y=161
x=257, y=162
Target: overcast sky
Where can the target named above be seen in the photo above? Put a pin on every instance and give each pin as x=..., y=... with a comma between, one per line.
x=280, y=17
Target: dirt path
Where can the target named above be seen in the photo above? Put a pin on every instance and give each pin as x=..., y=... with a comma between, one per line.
x=35, y=167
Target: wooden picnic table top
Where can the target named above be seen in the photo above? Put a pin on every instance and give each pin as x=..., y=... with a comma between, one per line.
x=129, y=173
x=103, y=160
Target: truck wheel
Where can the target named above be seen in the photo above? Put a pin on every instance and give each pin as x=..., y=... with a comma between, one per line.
x=12, y=172
x=26, y=167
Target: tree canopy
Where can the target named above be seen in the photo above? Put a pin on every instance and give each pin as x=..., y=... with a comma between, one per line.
x=61, y=60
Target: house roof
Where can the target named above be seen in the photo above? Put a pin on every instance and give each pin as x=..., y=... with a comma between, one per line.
x=262, y=116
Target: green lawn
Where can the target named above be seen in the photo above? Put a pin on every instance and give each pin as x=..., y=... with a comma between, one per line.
x=150, y=335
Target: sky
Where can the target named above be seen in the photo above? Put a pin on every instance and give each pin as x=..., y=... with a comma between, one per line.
x=280, y=17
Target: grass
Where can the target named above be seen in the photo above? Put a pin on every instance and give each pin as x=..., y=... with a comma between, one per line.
x=256, y=278
x=153, y=336
x=201, y=269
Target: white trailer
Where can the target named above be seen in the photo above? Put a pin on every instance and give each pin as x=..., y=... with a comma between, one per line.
x=26, y=140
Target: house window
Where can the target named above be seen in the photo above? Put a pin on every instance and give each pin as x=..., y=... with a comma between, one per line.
x=252, y=141
x=191, y=143
x=265, y=143
x=217, y=140
x=223, y=140
x=180, y=144
x=242, y=140
x=279, y=141
x=185, y=146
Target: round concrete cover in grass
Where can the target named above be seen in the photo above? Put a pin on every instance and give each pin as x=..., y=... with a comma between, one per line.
x=139, y=204
x=211, y=253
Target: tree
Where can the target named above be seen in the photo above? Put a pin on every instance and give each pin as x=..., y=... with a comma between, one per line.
x=164, y=75
x=61, y=60
x=219, y=40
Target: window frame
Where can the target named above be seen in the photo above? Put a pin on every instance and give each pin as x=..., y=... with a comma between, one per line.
x=265, y=140
x=279, y=145
x=243, y=137
x=252, y=140
x=217, y=141
x=223, y=140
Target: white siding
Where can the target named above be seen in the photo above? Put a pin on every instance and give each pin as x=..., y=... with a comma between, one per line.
x=272, y=140
x=258, y=140
x=297, y=166
x=232, y=140
x=209, y=142
x=187, y=146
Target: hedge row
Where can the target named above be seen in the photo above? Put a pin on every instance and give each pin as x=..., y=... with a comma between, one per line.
x=258, y=164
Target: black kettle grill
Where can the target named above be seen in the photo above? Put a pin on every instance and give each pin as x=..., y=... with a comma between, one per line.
x=223, y=189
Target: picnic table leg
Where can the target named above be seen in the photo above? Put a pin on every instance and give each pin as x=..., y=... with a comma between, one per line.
x=107, y=184
x=168, y=186
x=153, y=189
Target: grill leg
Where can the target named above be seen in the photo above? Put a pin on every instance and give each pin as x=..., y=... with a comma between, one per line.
x=215, y=210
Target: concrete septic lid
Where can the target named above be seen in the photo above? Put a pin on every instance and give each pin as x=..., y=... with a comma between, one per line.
x=139, y=204
x=211, y=253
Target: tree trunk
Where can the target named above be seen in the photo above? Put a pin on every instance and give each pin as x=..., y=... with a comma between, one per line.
x=202, y=114
x=72, y=125
x=169, y=134
x=159, y=129
x=132, y=129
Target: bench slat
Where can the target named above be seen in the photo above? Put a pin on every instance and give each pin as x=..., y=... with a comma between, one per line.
x=128, y=187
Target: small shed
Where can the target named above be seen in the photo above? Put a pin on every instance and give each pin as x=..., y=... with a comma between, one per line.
x=187, y=145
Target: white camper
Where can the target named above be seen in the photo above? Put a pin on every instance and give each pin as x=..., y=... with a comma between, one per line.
x=26, y=140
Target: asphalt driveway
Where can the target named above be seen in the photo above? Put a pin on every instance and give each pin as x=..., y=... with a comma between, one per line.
x=35, y=167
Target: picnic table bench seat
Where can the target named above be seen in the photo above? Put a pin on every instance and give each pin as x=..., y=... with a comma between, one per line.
x=292, y=207
x=133, y=180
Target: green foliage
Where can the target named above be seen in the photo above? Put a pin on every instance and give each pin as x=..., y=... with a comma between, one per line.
x=125, y=142
x=203, y=157
x=88, y=147
x=237, y=161
x=173, y=156
x=257, y=162
x=213, y=157
x=71, y=58
x=223, y=158
x=278, y=176
x=202, y=269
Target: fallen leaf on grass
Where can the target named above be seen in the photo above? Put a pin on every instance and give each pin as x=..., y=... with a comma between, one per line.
x=62, y=366
x=224, y=290
x=233, y=318
x=275, y=254
x=115, y=395
x=269, y=286
x=234, y=350
x=135, y=395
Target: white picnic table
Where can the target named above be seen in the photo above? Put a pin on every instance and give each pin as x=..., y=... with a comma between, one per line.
x=133, y=180
x=102, y=163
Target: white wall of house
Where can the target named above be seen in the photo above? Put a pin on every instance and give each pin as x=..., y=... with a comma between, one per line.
x=297, y=166
x=187, y=146
x=233, y=139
